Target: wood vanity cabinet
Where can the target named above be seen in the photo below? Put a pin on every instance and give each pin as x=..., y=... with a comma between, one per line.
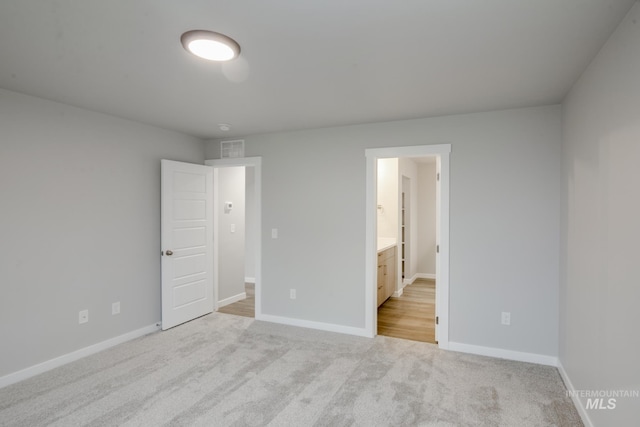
x=387, y=271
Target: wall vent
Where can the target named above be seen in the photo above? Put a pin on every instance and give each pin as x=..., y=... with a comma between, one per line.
x=232, y=149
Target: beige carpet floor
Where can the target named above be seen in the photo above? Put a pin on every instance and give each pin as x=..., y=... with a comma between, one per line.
x=224, y=370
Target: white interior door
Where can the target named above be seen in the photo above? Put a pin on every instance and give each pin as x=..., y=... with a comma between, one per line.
x=187, y=242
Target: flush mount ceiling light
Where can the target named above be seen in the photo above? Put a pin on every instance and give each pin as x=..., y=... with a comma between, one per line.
x=210, y=45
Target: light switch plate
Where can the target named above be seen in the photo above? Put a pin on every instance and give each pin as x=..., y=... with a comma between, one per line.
x=506, y=318
x=83, y=316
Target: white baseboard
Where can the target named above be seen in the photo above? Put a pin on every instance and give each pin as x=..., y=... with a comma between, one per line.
x=249, y=280
x=73, y=356
x=580, y=407
x=411, y=280
x=500, y=353
x=330, y=327
x=232, y=299
x=419, y=276
x=399, y=292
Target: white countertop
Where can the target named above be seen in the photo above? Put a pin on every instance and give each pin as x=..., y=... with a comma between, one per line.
x=385, y=243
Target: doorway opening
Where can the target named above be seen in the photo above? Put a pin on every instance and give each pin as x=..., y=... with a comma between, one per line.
x=406, y=197
x=236, y=229
x=380, y=260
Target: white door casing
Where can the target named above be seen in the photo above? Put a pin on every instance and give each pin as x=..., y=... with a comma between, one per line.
x=442, y=152
x=187, y=242
x=439, y=296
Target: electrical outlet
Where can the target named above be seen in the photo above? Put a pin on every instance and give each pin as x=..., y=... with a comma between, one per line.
x=506, y=318
x=83, y=316
x=292, y=293
x=115, y=308
x=274, y=233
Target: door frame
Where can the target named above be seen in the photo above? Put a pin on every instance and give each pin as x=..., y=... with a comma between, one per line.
x=256, y=163
x=441, y=152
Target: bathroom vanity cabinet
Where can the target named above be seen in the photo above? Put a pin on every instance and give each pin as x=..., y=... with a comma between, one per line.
x=387, y=272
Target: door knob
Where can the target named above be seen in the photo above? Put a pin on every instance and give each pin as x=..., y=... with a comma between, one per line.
x=169, y=253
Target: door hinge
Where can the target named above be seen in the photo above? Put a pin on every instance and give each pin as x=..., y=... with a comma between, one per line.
x=437, y=320
x=438, y=176
x=437, y=249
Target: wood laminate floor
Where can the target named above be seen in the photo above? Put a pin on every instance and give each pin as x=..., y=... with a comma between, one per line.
x=412, y=315
x=246, y=307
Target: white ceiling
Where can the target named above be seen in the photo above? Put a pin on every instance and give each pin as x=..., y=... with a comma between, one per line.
x=304, y=64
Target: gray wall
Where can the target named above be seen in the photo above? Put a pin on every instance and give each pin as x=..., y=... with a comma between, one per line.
x=231, y=186
x=80, y=226
x=427, y=213
x=600, y=289
x=408, y=170
x=387, y=199
x=505, y=201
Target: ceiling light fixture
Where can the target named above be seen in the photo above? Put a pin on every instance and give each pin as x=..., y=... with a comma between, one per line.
x=210, y=45
x=224, y=127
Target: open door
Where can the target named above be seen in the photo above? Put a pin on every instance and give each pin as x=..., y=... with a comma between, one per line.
x=187, y=242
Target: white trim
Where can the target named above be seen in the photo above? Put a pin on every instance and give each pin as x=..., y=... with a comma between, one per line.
x=411, y=280
x=371, y=243
x=441, y=151
x=399, y=292
x=255, y=162
x=234, y=161
x=417, y=276
x=73, y=356
x=580, y=407
x=442, y=257
x=249, y=280
x=232, y=299
x=409, y=151
x=330, y=327
x=500, y=353
x=216, y=240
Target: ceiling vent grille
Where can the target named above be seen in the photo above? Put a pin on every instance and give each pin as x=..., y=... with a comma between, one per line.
x=232, y=149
